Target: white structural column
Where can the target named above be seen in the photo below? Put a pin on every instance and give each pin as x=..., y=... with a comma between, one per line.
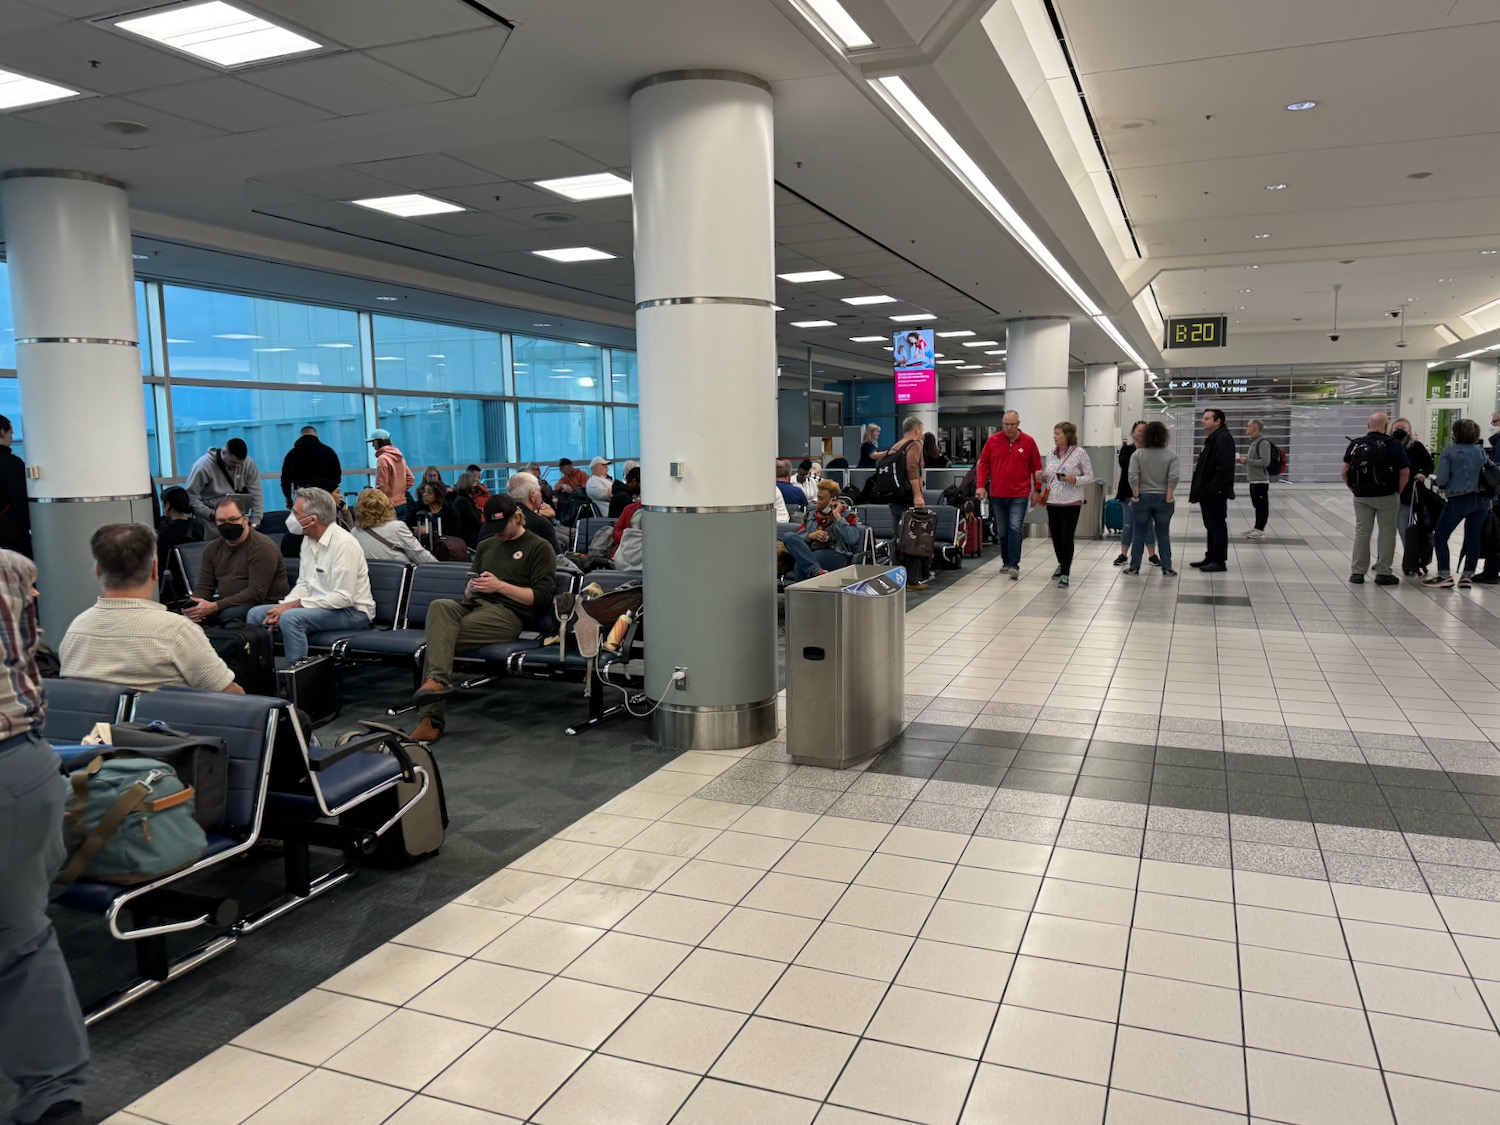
x=1482, y=389
x=701, y=155
x=926, y=411
x=1036, y=374
x=78, y=361
x=1101, y=392
x=1133, y=397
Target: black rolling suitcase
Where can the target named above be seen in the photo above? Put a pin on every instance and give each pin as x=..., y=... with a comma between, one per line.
x=1416, y=554
x=248, y=651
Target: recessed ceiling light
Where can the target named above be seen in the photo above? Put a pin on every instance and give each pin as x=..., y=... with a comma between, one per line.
x=542, y=324
x=876, y=299
x=140, y=257
x=1490, y=251
x=841, y=24
x=1276, y=187
x=598, y=185
x=1000, y=351
x=814, y=324
x=219, y=33
x=1297, y=107
x=1247, y=290
x=390, y=359
x=810, y=275
x=574, y=254
x=410, y=206
x=334, y=345
x=970, y=366
x=171, y=340
x=17, y=90
x=1252, y=267
x=267, y=351
x=905, y=318
x=234, y=336
x=952, y=335
x=867, y=339
x=1239, y=308
x=1262, y=236
x=944, y=362
x=981, y=343
x=388, y=298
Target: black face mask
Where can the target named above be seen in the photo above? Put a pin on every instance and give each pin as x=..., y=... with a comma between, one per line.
x=231, y=531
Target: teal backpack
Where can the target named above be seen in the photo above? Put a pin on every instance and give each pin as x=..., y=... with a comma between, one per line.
x=130, y=821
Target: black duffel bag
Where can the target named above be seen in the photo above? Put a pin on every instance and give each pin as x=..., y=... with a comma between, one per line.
x=201, y=762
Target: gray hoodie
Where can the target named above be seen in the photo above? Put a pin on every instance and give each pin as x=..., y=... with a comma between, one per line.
x=1257, y=457
x=1154, y=470
x=211, y=480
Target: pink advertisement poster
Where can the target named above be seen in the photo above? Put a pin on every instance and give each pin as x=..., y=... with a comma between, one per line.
x=916, y=377
x=916, y=387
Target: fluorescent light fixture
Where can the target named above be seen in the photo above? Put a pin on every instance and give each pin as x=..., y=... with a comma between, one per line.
x=598, y=185
x=810, y=275
x=1490, y=251
x=815, y=324
x=219, y=33
x=1298, y=107
x=970, y=366
x=562, y=370
x=18, y=91
x=411, y=206
x=388, y=298
x=1483, y=308
x=1471, y=355
x=1262, y=236
x=867, y=339
x=268, y=351
x=947, y=362
x=981, y=343
x=437, y=355
x=1448, y=335
x=840, y=24
x=574, y=254
x=1110, y=330
x=1276, y=187
x=907, y=318
x=956, y=334
x=921, y=120
x=390, y=359
x=586, y=382
x=171, y=340
x=140, y=257
x=1001, y=351
x=876, y=299
x=334, y=345
x=234, y=336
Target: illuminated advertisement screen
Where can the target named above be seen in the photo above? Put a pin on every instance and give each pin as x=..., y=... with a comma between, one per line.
x=916, y=373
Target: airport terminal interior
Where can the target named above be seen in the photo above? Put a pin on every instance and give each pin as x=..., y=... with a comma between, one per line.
x=799, y=690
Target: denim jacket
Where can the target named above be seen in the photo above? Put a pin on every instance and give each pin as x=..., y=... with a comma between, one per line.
x=1458, y=469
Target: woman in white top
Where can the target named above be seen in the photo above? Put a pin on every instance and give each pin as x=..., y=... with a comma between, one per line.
x=1065, y=470
x=381, y=535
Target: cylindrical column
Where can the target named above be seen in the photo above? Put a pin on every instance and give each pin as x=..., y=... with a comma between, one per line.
x=1036, y=373
x=1483, y=377
x=78, y=362
x=926, y=411
x=1132, y=398
x=701, y=155
x=1101, y=383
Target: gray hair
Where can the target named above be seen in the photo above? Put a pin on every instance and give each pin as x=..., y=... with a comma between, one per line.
x=783, y=469
x=628, y=466
x=520, y=486
x=1258, y=424
x=910, y=424
x=318, y=504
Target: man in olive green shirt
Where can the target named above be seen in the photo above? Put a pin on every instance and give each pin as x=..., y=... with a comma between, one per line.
x=514, y=578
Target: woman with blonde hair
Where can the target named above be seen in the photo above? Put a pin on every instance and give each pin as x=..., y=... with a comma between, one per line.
x=381, y=535
x=1065, y=470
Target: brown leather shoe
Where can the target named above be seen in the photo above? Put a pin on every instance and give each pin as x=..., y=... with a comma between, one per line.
x=427, y=731
x=432, y=689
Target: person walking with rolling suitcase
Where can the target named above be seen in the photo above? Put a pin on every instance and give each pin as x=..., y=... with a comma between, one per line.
x=909, y=468
x=1065, y=470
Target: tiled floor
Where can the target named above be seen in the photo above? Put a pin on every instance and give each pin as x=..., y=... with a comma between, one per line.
x=1136, y=860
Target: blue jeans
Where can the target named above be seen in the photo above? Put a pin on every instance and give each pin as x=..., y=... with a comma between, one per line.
x=1468, y=509
x=1153, y=515
x=295, y=624
x=1127, y=529
x=1008, y=513
x=808, y=558
x=43, y=1047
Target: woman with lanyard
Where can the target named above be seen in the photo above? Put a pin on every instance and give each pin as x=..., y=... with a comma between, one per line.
x=1065, y=470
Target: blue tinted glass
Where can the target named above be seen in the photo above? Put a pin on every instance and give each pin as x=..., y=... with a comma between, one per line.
x=557, y=369
x=623, y=376
x=269, y=421
x=419, y=356
x=549, y=430
x=234, y=337
x=627, y=423
x=444, y=431
x=143, y=329
x=8, y=322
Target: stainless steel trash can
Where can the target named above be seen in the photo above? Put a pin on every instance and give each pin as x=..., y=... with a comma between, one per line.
x=1091, y=519
x=845, y=664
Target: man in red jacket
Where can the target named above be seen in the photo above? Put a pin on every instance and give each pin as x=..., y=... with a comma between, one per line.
x=1007, y=474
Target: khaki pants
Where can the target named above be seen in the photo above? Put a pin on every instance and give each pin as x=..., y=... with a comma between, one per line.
x=452, y=626
x=1375, y=512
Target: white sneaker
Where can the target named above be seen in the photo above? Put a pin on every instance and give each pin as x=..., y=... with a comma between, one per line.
x=1015, y=573
x=1255, y=533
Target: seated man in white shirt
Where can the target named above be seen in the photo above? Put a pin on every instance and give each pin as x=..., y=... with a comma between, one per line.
x=130, y=638
x=600, y=487
x=333, y=586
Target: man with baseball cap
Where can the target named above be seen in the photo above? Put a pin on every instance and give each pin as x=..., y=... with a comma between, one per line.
x=392, y=474
x=600, y=486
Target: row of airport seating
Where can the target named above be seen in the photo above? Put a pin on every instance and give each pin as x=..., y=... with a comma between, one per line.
x=282, y=787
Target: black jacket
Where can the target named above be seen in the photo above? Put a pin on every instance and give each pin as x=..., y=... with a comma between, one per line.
x=620, y=498
x=470, y=518
x=1421, y=462
x=15, y=514
x=1122, y=491
x=1213, y=475
x=307, y=462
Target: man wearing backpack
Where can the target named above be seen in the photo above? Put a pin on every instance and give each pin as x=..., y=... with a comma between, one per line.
x=1006, y=474
x=904, y=460
x=1257, y=462
x=1376, y=470
x=43, y=1046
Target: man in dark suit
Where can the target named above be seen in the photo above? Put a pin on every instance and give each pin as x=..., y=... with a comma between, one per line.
x=1213, y=488
x=15, y=515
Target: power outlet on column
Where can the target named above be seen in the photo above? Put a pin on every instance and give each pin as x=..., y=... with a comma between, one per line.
x=679, y=679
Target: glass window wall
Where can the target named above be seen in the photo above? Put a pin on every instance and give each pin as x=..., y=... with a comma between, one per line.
x=415, y=355
x=229, y=336
x=444, y=431
x=548, y=431
x=557, y=369
x=623, y=376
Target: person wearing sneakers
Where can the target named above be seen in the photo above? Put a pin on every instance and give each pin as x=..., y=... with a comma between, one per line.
x=1468, y=504
x=512, y=582
x=1065, y=470
x=1125, y=497
x=1377, y=470
x=1006, y=474
x=1154, y=475
x=1257, y=461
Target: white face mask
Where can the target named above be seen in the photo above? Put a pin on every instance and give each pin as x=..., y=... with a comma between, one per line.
x=294, y=525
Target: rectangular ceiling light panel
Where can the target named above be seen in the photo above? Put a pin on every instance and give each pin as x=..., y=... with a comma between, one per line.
x=600, y=185
x=905, y=318
x=841, y=24
x=410, y=206
x=810, y=275
x=219, y=33
x=814, y=324
x=874, y=299
x=574, y=254
x=18, y=91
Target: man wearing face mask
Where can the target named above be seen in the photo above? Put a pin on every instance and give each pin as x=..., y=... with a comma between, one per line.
x=1422, y=467
x=230, y=471
x=241, y=569
x=333, y=585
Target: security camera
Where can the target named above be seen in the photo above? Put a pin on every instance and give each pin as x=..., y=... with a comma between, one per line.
x=1333, y=337
x=1394, y=313
x=1401, y=343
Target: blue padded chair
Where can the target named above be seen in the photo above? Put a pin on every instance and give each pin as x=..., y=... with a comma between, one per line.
x=882, y=524
x=947, y=539
x=585, y=530
x=273, y=522
x=74, y=706
x=427, y=583
x=388, y=584
x=293, y=568
x=933, y=497
x=249, y=726
x=186, y=562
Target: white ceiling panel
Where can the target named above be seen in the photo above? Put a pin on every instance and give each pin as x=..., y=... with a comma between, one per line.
x=505, y=195
x=426, y=173
x=229, y=104
x=468, y=223
x=373, y=23
x=66, y=52
x=347, y=84
x=333, y=183
x=16, y=17
x=88, y=9
x=86, y=116
x=458, y=63
x=534, y=158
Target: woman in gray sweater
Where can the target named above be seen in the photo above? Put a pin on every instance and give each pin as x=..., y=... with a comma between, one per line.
x=1154, y=473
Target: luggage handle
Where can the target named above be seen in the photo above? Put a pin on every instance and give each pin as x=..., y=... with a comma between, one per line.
x=125, y=804
x=344, y=749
